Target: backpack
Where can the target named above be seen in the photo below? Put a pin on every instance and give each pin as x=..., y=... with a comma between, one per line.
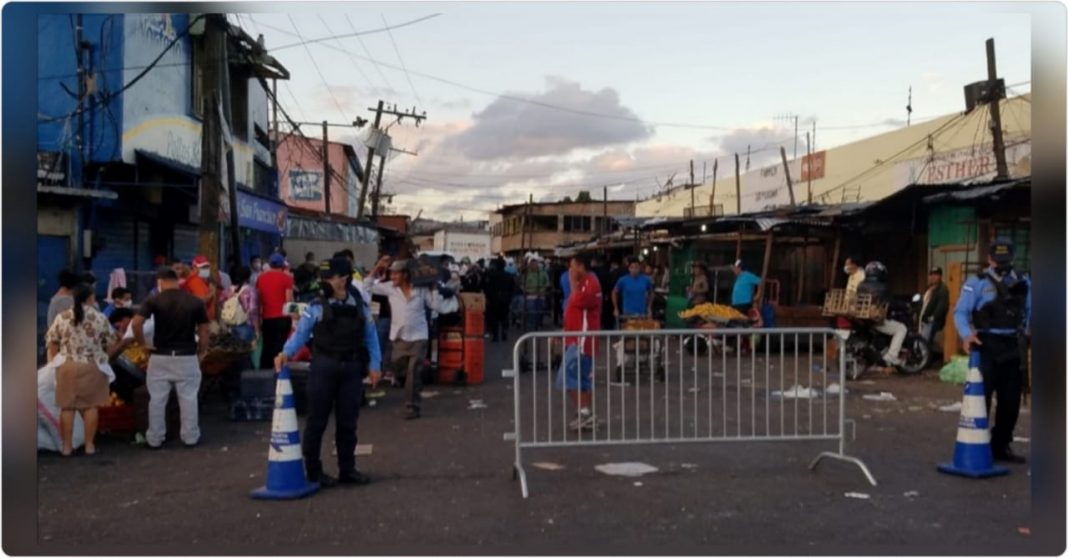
x=233, y=314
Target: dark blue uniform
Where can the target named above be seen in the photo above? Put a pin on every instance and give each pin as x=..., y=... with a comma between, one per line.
x=344, y=348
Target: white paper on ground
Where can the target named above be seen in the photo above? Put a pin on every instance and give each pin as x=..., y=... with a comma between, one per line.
x=857, y=495
x=882, y=396
x=628, y=469
x=954, y=408
x=548, y=466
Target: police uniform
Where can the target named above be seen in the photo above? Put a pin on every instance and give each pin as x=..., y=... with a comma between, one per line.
x=997, y=308
x=344, y=349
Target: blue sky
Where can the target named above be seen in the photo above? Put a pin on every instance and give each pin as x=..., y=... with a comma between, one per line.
x=731, y=66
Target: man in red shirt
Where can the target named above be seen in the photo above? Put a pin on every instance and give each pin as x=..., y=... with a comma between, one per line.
x=197, y=283
x=582, y=313
x=275, y=289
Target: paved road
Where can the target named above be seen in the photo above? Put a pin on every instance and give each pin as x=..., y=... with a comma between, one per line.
x=444, y=484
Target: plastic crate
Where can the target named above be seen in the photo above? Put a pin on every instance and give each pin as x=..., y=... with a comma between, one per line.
x=858, y=306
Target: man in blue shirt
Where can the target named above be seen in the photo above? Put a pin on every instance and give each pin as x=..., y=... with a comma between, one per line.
x=745, y=286
x=634, y=289
x=344, y=349
x=993, y=317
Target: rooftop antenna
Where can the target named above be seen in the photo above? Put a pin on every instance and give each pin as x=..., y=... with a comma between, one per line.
x=908, y=108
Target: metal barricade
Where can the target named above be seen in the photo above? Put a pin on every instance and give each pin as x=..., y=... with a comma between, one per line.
x=680, y=386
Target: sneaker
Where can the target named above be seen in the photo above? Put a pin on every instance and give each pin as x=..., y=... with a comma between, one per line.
x=584, y=422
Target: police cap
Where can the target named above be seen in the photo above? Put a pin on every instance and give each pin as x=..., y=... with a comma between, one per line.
x=335, y=267
x=1002, y=252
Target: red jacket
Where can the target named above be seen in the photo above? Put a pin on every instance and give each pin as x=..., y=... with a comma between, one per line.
x=583, y=311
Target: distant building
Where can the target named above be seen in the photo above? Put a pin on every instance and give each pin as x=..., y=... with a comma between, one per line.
x=301, y=180
x=542, y=227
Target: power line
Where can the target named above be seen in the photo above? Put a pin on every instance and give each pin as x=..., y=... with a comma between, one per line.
x=315, y=64
x=351, y=59
x=401, y=60
x=368, y=53
x=354, y=34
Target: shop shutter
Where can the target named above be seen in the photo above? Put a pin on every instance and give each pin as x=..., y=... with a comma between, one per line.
x=185, y=243
x=115, y=232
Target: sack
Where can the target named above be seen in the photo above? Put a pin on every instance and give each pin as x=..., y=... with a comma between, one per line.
x=233, y=314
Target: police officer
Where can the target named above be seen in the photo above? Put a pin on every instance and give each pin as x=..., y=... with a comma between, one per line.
x=993, y=317
x=344, y=349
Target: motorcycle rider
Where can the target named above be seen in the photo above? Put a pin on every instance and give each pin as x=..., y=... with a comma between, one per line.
x=874, y=283
x=993, y=316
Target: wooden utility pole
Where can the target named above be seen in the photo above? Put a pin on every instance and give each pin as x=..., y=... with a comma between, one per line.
x=908, y=110
x=693, y=193
x=326, y=167
x=231, y=167
x=789, y=182
x=604, y=220
x=738, y=183
x=764, y=269
x=211, y=153
x=274, y=109
x=377, y=196
x=995, y=110
x=747, y=158
x=367, y=166
x=808, y=147
x=834, y=259
x=712, y=199
x=379, y=111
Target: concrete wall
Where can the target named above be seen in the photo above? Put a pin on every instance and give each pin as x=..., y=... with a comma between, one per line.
x=298, y=161
x=856, y=171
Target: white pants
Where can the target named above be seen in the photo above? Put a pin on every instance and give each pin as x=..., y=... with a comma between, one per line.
x=183, y=374
x=898, y=331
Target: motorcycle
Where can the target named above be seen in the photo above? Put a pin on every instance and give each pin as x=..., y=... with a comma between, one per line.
x=866, y=345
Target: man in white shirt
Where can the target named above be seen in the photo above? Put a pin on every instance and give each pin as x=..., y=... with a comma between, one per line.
x=409, y=330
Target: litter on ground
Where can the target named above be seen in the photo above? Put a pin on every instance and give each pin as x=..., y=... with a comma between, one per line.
x=835, y=389
x=637, y=484
x=954, y=408
x=476, y=404
x=857, y=495
x=427, y=394
x=688, y=466
x=796, y=392
x=881, y=396
x=628, y=469
x=547, y=466
x=912, y=494
x=364, y=449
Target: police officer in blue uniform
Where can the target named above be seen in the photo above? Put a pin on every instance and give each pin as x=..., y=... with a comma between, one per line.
x=993, y=316
x=344, y=351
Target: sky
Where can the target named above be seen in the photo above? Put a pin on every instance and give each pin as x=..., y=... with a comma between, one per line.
x=549, y=99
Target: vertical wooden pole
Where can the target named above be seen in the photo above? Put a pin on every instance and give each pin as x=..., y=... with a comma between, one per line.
x=789, y=183
x=834, y=260
x=764, y=269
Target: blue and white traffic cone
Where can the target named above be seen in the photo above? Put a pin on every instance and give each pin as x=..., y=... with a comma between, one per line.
x=285, y=462
x=972, y=455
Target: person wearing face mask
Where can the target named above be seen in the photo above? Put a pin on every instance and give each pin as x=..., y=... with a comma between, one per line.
x=120, y=298
x=993, y=317
x=199, y=284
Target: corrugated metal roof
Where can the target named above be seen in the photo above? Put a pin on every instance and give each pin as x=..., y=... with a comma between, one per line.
x=976, y=192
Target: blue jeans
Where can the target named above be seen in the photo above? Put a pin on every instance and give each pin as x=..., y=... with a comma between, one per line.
x=576, y=371
x=535, y=308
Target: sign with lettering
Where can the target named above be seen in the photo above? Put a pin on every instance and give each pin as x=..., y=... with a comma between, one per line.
x=766, y=188
x=969, y=164
x=254, y=212
x=305, y=185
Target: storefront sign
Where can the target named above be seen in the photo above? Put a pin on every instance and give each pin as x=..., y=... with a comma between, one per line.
x=962, y=165
x=766, y=188
x=260, y=214
x=305, y=185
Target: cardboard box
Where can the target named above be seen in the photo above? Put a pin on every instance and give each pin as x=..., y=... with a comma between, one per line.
x=473, y=302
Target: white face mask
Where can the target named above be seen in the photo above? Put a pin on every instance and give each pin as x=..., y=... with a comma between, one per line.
x=204, y=273
x=846, y=270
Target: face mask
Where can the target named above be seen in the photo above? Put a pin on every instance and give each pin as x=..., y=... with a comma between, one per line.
x=204, y=273
x=1002, y=269
x=120, y=304
x=846, y=270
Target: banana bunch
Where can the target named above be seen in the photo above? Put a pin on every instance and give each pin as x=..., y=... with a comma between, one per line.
x=709, y=310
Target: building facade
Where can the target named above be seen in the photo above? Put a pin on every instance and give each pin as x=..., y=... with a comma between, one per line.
x=542, y=227
x=301, y=175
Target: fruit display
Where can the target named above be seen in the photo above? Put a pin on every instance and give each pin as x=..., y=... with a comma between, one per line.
x=137, y=355
x=712, y=311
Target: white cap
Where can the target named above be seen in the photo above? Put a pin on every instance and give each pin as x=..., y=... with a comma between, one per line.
x=738, y=263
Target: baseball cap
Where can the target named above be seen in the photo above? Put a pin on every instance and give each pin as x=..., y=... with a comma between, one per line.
x=399, y=265
x=201, y=261
x=738, y=264
x=335, y=267
x=277, y=260
x=935, y=271
x=1002, y=251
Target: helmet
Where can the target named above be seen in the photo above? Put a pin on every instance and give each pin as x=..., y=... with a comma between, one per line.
x=875, y=271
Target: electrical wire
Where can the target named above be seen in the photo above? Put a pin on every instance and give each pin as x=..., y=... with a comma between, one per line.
x=315, y=64
x=136, y=78
x=354, y=34
x=359, y=68
x=400, y=59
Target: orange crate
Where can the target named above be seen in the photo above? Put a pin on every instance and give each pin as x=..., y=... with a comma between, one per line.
x=475, y=360
x=474, y=323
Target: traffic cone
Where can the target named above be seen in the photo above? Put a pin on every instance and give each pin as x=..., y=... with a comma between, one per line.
x=972, y=456
x=285, y=462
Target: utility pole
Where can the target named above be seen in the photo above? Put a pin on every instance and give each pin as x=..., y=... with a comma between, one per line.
x=231, y=170
x=712, y=199
x=326, y=167
x=795, y=136
x=704, y=171
x=211, y=136
x=604, y=220
x=747, y=150
x=738, y=183
x=367, y=167
x=995, y=110
x=908, y=109
x=693, y=193
x=808, y=144
x=379, y=111
x=789, y=183
x=376, y=198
